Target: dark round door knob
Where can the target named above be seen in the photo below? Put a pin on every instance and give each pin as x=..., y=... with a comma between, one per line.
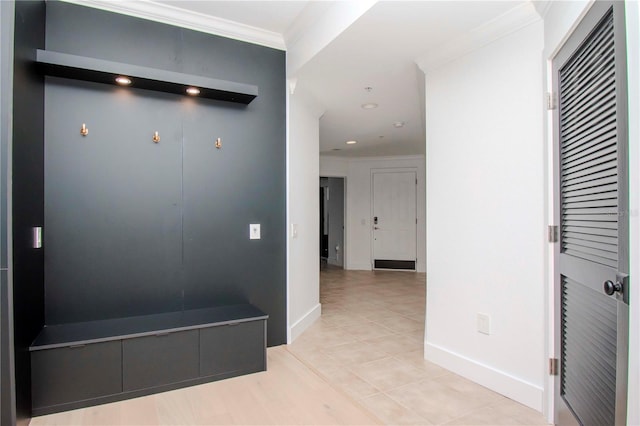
x=610, y=287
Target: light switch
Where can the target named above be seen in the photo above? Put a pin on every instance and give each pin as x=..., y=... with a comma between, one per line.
x=254, y=231
x=294, y=230
x=484, y=323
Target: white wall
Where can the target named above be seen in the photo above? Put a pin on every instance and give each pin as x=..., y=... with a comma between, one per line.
x=485, y=215
x=303, y=210
x=358, y=218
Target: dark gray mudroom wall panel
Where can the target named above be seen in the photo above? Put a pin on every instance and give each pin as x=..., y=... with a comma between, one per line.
x=169, y=222
x=7, y=406
x=27, y=194
x=112, y=202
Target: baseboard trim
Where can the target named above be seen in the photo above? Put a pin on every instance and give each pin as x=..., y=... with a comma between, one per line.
x=359, y=266
x=334, y=262
x=499, y=381
x=305, y=322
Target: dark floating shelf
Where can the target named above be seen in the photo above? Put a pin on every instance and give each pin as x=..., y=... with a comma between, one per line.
x=101, y=71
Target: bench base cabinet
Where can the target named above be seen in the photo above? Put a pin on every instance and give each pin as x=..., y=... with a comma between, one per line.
x=153, y=361
x=85, y=373
x=76, y=373
x=221, y=352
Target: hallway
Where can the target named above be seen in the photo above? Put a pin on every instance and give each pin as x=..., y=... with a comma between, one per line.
x=369, y=344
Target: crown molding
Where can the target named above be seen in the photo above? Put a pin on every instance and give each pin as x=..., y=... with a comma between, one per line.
x=542, y=7
x=509, y=22
x=172, y=15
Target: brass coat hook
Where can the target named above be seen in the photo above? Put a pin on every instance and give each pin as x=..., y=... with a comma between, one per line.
x=219, y=143
x=83, y=130
x=156, y=137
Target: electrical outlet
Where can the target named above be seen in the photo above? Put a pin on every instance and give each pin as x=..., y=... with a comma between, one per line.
x=254, y=231
x=484, y=323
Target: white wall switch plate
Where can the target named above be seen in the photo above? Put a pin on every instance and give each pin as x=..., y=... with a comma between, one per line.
x=294, y=230
x=484, y=323
x=254, y=231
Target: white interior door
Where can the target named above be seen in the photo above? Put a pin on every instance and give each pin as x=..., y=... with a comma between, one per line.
x=394, y=219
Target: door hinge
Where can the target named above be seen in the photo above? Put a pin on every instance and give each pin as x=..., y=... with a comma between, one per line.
x=553, y=233
x=416, y=220
x=551, y=101
x=553, y=366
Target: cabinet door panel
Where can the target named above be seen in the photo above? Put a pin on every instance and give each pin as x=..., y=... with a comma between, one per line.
x=232, y=348
x=76, y=373
x=159, y=360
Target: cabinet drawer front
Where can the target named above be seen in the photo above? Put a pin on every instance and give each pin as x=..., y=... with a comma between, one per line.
x=159, y=360
x=75, y=373
x=233, y=348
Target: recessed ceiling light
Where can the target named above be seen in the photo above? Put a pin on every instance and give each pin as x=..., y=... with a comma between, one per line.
x=352, y=142
x=193, y=91
x=369, y=105
x=125, y=81
x=398, y=124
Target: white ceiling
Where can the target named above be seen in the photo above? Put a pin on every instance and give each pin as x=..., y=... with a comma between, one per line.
x=276, y=16
x=379, y=50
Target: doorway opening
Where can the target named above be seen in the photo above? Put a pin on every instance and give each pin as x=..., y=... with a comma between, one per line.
x=332, y=241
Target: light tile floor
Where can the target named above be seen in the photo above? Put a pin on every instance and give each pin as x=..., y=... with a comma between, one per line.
x=369, y=344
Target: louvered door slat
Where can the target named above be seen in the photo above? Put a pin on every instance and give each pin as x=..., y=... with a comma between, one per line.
x=605, y=254
x=587, y=161
x=572, y=218
x=590, y=126
x=592, y=58
x=594, y=133
x=592, y=230
x=605, y=134
x=598, y=204
x=576, y=242
x=591, y=146
x=586, y=54
x=596, y=196
x=591, y=237
x=576, y=121
x=589, y=377
x=596, y=97
x=598, y=83
x=590, y=153
x=595, y=168
x=596, y=189
x=580, y=85
x=602, y=178
x=602, y=211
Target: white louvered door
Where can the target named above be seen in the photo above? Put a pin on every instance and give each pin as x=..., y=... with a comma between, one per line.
x=592, y=190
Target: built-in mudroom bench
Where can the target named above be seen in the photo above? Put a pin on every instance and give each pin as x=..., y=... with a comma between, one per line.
x=148, y=206
x=81, y=364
